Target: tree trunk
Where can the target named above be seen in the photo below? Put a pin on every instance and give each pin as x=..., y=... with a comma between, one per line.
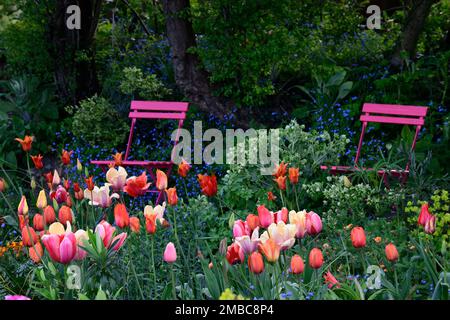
x=189, y=75
x=411, y=32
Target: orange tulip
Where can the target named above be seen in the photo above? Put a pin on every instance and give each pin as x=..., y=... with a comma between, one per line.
x=331, y=281
x=161, y=180
x=280, y=170
x=65, y=215
x=137, y=186
x=391, y=252
x=29, y=236
x=358, y=237
x=38, y=222
x=271, y=196
x=281, y=182
x=183, y=168
x=121, y=216
x=256, y=263
x=208, y=184
x=26, y=143
x=37, y=160
x=90, y=183
x=297, y=264
x=23, y=221
x=65, y=157
x=315, y=258
x=293, y=175
x=49, y=215
x=36, y=255
x=252, y=221
x=270, y=250
x=377, y=239
x=135, y=224
x=172, y=197
x=118, y=159
x=150, y=223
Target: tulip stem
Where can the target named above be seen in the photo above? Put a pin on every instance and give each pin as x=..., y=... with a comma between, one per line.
x=174, y=293
x=296, y=197
x=282, y=199
x=152, y=240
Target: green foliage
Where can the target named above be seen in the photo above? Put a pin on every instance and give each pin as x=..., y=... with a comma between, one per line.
x=145, y=88
x=96, y=121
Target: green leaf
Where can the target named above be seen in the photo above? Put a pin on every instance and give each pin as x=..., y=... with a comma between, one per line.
x=344, y=89
x=101, y=295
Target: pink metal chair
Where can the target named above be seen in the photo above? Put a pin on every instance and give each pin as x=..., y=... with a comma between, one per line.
x=385, y=113
x=151, y=110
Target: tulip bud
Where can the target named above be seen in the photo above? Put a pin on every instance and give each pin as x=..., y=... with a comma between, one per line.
x=170, y=254
x=161, y=180
x=79, y=166
x=135, y=224
x=33, y=184
x=391, y=252
x=23, y=206
x=358, y=237
x=121, y=216
x=29, y=236
x=172, y=197
x=256, y=263
x=265, y=216
x=41, y=202
x=49, y=215
x=36, y=252
x=297, y=264
x=38, y=222
x=223, y=246
x=315, y=258
x=65, y=215
x=56, y=179
x=313, y=223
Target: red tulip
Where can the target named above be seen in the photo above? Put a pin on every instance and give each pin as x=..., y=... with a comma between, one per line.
x=37, y=160
x=281, y=182
x=358, y=237
x=49, y=177
x=90, y=183
x=65, y=157
x=293, y=175
x=424, y=215
x=297, y=264
x=161, y=180
x=280, y=170
x=137, y=186
x=62, y=248
x=38, y=222
x=252, y=221
x=265, y=216
x=391, y=252
x=65, y=215
x=25, y=143
x=313, y=223
x=271, y=196
x=208, y=184
x=172, y=197
x=79, y=194
x=315, y=258
x=183, y=168
x=49, y=215
x=331, y=281
x=256, y=263
x=121, y=217
x=234, y=254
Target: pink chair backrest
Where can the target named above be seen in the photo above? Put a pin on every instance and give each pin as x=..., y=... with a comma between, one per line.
x=158, y=110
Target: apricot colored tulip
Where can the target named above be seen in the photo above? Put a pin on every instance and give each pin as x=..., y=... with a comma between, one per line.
x=90, y=183
x=283, y=234
x=313, y=223
x=299, y=220
x=161, y=180
x=137, y=186
x=36, y=252
x=172, y=198
x=170, y=253
x=117, y=178
x=117, y=159
x=65, y=215
x=430, y=225
x=252, y=221
x=38, y=222
x=358, y=237
x=265, y=216
x=37, y=160
x=256, y=263
x=29, y=236
x=391, y=252
x=330, y=280
x=62, y=248
x=135, y=224
x=293, y=175
x=65, y=157
x=208, y=184
x=22, y=209
x=25, y=143
x=315, y=258
x=281, y=182
x=49, y=215
x=270, y=249
x=41, y=201
x=280, y=170
x=424, y=215
x=235, y=254
x=297, y=264
x=183, y=168
x=121, y=216
x=82, y=237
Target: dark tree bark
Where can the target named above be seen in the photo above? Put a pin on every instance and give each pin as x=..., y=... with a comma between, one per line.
x=189, y=75
x=414, y=25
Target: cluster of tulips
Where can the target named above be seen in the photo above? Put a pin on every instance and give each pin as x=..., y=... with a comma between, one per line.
x=427, y=220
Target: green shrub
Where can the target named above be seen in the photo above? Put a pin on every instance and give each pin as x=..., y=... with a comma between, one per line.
x=143, y=87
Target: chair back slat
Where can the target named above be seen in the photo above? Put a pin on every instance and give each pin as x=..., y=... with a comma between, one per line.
x=158, y=115
x=163, y=106
x=397, y=110
x=393, y=120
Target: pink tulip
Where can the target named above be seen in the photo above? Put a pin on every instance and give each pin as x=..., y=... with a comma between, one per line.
x=170, y=254
x=61, y=195
x=240, y=229
x=313, y=223
x=247, y=244
x=105, y=231
x=265, y=216
x=430, y=225
x=120, y=240
x=281, y=215
x=17, y=297
x=62, y=248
